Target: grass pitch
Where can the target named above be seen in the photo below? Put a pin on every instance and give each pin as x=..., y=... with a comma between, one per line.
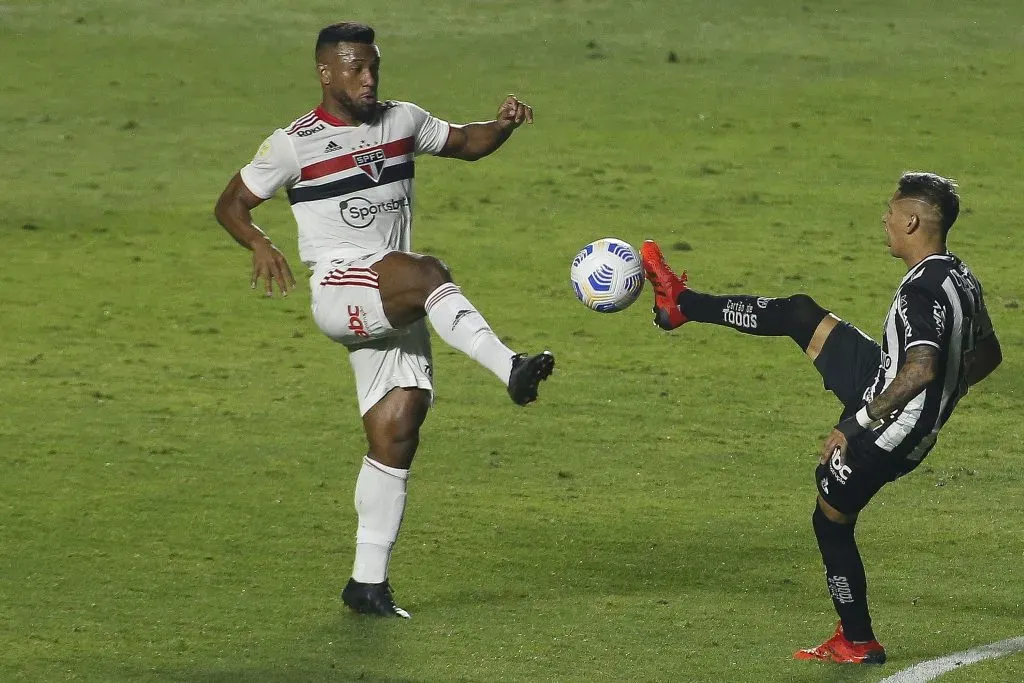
x=178, y=454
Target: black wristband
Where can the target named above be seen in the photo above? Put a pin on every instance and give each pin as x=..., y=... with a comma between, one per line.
x=855, y=424
x=849, y=427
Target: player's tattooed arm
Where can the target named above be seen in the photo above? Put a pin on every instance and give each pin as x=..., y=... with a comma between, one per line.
x=920, y=368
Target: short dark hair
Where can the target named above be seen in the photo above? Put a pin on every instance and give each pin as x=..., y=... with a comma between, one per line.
x=935, y=190
x=344, y=32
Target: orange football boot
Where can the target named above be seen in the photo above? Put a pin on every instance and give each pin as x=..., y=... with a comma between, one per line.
x=839, y=649
x=666, y=284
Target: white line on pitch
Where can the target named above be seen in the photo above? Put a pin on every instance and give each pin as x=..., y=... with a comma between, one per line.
x=933, y=668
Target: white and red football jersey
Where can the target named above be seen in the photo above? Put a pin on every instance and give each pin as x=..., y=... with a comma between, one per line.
x=350, y=187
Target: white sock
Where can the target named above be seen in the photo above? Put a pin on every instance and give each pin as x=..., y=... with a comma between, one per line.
x=380, y=503
x=458, y=323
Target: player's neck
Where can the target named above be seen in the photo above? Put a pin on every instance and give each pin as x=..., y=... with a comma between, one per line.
x=923, y=252
x=342, y=116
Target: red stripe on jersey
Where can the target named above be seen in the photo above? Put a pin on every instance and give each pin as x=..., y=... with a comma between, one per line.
x=349, y=284
x=369, y=271
x=354, y=271
x=304, y=122
x=367, y=278
x=348, y=278
x=395, y=148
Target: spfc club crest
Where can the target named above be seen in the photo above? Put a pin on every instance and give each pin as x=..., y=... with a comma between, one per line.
x=371, y=162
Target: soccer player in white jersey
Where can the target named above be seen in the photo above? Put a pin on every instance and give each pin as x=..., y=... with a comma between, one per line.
x=938, y=340
x=347, y=167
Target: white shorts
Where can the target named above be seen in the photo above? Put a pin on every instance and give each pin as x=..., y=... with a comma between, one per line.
x=347, y=308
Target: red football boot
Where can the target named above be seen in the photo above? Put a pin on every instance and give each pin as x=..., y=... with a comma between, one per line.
x=839, y=649
x=666, y=284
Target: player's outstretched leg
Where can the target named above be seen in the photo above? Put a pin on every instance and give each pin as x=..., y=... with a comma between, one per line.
x=458, y=322
x=414, y=285
x=675, y=303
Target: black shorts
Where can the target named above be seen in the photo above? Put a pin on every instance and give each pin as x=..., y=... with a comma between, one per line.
x=848, y=364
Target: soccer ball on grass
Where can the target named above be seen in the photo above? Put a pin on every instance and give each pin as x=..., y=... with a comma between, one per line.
x=607, y=275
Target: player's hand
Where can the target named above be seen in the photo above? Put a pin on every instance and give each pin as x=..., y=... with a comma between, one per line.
x=513, y=113
x=836, y=440
x=270, y=264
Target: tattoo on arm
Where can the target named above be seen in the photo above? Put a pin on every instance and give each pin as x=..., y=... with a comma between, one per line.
x=920, y=368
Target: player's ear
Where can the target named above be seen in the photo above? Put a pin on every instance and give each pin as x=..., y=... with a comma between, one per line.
x=913, y=223
x=325, y=74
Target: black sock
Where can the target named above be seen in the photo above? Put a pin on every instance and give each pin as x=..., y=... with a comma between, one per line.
x=794, y=316
x=844, y=573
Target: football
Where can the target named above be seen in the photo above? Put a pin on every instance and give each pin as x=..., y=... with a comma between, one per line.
x=607, y=275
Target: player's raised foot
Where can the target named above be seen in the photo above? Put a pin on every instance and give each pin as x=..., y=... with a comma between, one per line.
x=527, y=373
x=667, y=286
x=839, y=649
x=372, y=598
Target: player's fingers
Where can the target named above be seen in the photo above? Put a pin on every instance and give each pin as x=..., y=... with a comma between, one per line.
x=268, y=281
x=282, y=280
x=284, y=275
x=520, y=112
x=827, y=448
x=288, y=272
x=529, y=113
x=278, y=276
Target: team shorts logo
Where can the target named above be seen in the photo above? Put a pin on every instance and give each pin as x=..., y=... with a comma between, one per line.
x=355, y=322
x=371, y=162
x=840, y=469
x=359, y=212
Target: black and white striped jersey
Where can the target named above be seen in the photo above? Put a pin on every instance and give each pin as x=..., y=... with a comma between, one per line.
x=939, y=303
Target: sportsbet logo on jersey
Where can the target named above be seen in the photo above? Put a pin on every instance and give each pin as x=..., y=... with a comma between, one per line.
x=359, y=212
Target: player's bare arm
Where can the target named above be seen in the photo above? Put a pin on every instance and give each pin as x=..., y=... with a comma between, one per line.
x=983, y=359
x=234, y=212
x=920, y=368
x=472, y=141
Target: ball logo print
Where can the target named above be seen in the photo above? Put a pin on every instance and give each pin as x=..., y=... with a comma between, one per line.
x=606, y=275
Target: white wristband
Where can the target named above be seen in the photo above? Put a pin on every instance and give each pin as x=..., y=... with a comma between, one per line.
x=863, y=419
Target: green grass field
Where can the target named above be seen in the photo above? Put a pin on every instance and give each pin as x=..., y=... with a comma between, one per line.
x=177, y=454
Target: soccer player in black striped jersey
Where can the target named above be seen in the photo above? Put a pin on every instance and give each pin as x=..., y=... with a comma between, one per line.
x=347, y=168
x=937, y=341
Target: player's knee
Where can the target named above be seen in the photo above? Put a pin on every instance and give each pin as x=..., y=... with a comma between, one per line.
x=831, y=524
x=806, y=310
x=433, y=271
x=395, y=449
